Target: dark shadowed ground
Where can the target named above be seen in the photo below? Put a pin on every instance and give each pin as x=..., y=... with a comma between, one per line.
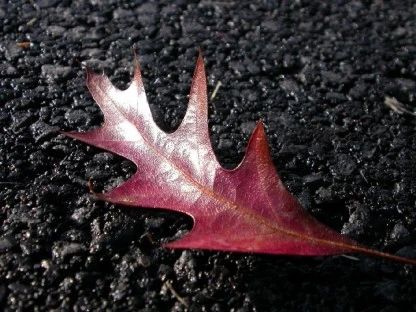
x=318, y=75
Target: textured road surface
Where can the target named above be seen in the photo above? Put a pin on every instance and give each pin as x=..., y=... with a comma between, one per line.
x=318, y=75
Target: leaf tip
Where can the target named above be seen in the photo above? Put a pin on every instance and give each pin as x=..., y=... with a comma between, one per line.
x=259, y=133
x=198, y=95
x=137, y=74
x=260, y=126
x=200, y=67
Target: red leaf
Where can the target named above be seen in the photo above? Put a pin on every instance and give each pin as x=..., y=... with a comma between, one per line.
x=245, y=210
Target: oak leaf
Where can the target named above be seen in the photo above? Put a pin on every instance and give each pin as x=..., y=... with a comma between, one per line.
x=247, y=209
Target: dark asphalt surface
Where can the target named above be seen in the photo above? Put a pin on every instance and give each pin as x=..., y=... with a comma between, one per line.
x=318, y=75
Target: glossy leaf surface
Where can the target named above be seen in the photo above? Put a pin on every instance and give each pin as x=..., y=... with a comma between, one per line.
x=247, y=209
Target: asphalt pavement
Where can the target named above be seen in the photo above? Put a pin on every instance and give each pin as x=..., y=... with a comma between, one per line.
x=335, y=86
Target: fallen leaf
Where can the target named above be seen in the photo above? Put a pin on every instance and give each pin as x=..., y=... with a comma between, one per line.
x=247, y=209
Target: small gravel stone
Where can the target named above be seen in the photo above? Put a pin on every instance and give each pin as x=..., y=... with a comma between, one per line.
x=44, y=4
x=6, y=243
x=42, y=131
x=68, y=249
x=12, y=50
x=77, y=117
x=335, y=97
x=55, y=72
x=7, y=70
x=55, y=31
x=248, y=127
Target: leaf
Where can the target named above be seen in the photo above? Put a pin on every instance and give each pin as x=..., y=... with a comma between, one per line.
x=247, y=209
